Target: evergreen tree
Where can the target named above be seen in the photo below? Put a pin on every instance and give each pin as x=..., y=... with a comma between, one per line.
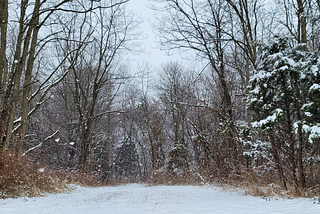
x=284, y=100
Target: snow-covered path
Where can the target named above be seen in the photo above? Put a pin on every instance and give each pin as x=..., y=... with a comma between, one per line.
x=139, y=199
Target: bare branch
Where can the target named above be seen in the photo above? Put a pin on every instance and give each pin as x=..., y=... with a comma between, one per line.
x=40, y=144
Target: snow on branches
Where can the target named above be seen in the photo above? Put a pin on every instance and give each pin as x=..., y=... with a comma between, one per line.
x=285, y=88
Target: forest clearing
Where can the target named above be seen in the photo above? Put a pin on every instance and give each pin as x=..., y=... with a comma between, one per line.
x=138, y=198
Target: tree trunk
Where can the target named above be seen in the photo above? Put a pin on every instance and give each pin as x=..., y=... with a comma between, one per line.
x=3, y=63
x=12, y=92
x=275, y=154
x=302, y=22
x=85, y=143
x=28, y=75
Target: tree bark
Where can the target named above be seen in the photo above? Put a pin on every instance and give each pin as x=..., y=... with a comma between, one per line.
x=12, y=92
x=275, y=154
x=28, y=74
x=3, y=63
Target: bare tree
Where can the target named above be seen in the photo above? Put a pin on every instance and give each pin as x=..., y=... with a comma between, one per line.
x=299, y=19
x=30, y=23
x=246, y=31
x=174, y=90
x=95, y=81
x=153, y=125
x=201, y=26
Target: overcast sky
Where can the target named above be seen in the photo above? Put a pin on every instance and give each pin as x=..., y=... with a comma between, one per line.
x=152, y=53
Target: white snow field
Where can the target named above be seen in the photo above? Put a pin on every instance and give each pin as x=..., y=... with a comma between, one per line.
x=140, y=199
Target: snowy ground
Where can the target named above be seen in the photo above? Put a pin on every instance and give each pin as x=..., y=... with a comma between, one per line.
x=140, y=199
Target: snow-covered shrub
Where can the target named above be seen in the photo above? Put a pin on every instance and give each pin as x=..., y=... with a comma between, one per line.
x=177, y=162
x=177, y=168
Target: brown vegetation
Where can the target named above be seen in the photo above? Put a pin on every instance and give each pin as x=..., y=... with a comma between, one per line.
x=23, y=177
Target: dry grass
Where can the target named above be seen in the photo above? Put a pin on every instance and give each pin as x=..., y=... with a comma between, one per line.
x=255, y=182
x=257, y=190
x=189, y=176
x=77, y=178
x=258, y=182
x=21, y=177
x=164, y=178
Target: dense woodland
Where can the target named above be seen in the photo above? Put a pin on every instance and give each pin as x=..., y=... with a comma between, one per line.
x=247, y=112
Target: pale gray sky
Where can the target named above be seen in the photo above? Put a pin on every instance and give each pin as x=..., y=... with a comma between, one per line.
x=152, y=53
